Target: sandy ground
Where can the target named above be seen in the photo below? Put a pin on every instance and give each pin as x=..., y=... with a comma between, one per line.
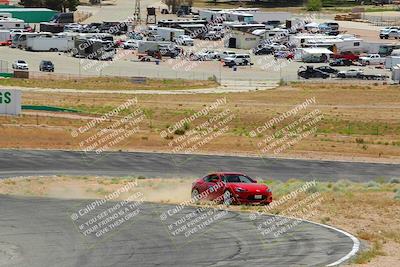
x=347, y=207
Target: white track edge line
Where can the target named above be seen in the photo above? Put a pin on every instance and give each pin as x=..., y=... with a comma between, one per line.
x=356, y=242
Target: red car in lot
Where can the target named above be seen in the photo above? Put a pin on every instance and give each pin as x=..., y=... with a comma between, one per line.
x=231, y=188
x=346, y=55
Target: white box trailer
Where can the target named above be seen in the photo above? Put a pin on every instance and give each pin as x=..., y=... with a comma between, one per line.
x=392, y=61
x=270, y=16
x=5, y=36
x=51, y=44
x=20, y=39
x=151, y=46
x=396, y=73
x=169, y=34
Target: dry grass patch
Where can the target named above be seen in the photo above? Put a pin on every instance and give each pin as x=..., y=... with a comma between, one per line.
x=109, y=83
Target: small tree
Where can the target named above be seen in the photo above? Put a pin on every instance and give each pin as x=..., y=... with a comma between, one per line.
x=314, y=5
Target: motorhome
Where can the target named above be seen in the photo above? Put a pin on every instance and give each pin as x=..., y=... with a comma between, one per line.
x=238, y=16
x=57, y=43
x=245, y=27
x=339, y=43
x=225, y=14
x=276, y=33
x=5, y=15
x=11, y=23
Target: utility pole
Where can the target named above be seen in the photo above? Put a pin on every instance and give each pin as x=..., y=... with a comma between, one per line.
x=136, y=16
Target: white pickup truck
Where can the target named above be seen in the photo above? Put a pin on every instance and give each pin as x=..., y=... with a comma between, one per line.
x=372, y=59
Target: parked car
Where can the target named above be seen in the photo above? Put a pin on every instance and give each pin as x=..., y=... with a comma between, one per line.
x=329, y=28
x=225, y=54
x=263, y=51
x=20, y=65
x=284, y=54
x=341, y=62
x=346, y=55
x=238, y=59
x=231, y=188
x=154, y=37
x=91, y=28
x=46, y=65
x=168, y=51
x=315, y=58
x=130, y=44
x=327, y=69
x=73, y=27
x=309, y=72
x=277, y=46
x=184, y=40
x=389, y=32
x=134, y=35
x=206, y=55
x=211, y=35
x=372, y=59
x=352, y=73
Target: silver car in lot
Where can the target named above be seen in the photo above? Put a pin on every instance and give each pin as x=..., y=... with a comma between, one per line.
x=352, y=73
x=238, y=59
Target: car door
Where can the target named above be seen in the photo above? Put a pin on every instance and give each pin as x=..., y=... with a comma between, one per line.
x=211, y=184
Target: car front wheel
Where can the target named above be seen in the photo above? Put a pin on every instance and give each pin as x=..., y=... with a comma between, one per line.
x=227, y=198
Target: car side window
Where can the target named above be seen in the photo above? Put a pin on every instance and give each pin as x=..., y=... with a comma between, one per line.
x=211, y=178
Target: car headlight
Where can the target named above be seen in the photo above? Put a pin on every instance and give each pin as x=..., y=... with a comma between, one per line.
x=239, y=189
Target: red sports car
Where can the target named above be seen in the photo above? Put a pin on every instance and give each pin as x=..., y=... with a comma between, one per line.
x=231, y=187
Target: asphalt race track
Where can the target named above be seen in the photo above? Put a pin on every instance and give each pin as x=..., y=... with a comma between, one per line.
x=43, y=162
x=39, y=232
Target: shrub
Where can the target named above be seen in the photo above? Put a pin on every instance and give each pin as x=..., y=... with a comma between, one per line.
x=359, y=140
x=397, y=195
x=394, y=180
x=314, y=5
x=373, y=185
x=179, y=132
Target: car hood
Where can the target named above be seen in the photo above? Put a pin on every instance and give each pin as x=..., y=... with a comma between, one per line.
x=253, y=188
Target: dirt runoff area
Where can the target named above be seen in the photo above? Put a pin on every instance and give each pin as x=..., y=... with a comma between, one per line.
x=367, y=210
x=355, y=122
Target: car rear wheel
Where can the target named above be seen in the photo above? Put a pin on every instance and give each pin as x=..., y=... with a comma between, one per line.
x=195, y=193
x=227, y=198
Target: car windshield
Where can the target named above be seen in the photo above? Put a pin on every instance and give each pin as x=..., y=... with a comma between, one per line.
x=236, y=178
x=21, y=61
